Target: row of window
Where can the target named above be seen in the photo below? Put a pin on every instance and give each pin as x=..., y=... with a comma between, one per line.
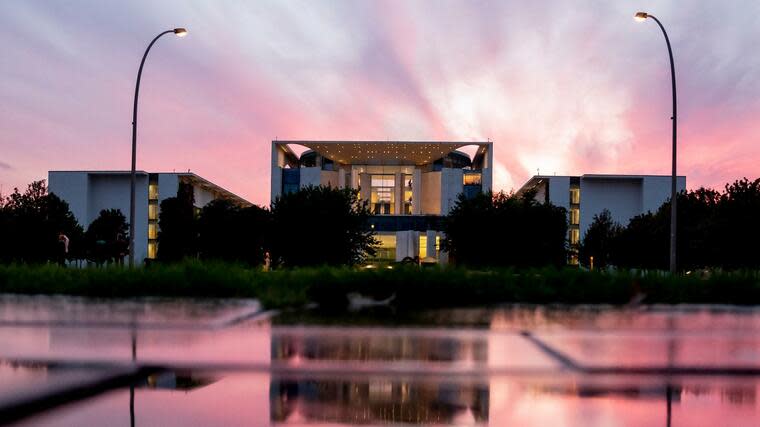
x=152, y=217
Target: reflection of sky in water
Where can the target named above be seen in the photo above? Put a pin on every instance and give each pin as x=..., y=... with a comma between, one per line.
x=481, y=371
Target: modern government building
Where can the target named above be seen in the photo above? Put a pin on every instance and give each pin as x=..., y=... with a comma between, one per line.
x=586, y=196
x=89, y=192
x=409, y=186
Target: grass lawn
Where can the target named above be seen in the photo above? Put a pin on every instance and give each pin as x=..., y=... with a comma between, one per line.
x=412, y=287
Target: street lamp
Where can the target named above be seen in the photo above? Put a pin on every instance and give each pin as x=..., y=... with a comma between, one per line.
x=179, y=32
x=641, y=17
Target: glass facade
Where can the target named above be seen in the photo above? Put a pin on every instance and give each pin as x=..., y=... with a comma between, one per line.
x=574, y=232
x=407, y=189
x=386, y=251
x=382, y=194
x=152, y=215
x=575, y=236
x=153, y=191
x=575, y=216
x=153, y=211
x=152, y=250
x=471, y=178
x=575, y=196
x=291, y=180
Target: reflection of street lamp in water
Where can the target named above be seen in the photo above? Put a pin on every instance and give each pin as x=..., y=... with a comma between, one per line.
x=132, y=384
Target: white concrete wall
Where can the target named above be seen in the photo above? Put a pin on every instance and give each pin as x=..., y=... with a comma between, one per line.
x=656, y=191
x=621, y=196
x=112, y=192
x=278, y=161
x=559, y=191
x=407, y=244
x=72, y=187
x=451, y=187
x=431, y=193
x=417, y=189
x=486, y=178
x=89, y=193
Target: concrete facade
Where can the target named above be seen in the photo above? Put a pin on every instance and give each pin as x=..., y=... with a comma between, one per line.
x=89, y=192
x=625, y=196
x=409, y=185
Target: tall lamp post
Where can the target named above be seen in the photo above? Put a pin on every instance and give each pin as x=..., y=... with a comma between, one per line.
x=641, y=17
x=180, y=32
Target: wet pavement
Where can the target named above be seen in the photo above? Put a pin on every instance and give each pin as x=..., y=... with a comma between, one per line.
x=154, y=362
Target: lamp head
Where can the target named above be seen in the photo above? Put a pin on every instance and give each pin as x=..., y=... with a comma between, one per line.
x=640, y=16
x=180, y=32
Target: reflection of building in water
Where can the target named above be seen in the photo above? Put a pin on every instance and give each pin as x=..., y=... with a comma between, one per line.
x=176, y=380
x=381, y=400
x=378, y=401
x=381, y=348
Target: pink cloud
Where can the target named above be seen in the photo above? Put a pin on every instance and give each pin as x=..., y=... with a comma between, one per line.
x=557, y=88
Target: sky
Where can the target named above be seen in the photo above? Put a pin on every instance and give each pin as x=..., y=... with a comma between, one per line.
x=560, y=87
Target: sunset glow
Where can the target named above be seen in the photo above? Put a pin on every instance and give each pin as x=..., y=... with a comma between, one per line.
x=557, y=88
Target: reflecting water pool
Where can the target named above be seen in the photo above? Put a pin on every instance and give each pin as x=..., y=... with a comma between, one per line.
x=75, y=362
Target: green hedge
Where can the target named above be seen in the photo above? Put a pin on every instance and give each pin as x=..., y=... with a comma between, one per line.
x=412, y=287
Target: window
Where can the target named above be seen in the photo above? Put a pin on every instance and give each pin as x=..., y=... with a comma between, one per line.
x=575, y=236
x=152, y=249
x=152, y=191
x=575, y=216
x=382, y=197
x=153, y=211
x=575, y=196
x=387, y=248
x=407, y=210
x=471, y=178
x=152, y=230
x=423, y=246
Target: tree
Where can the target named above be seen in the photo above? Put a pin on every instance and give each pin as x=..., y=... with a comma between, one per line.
x=737, y=225
x=233, y=233
x=506, y=230
x=599, y=240
x=30, y=223
x=107, y=237
x=176, y=221
x=321, y=225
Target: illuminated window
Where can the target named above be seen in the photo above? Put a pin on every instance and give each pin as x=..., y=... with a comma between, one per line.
x=407, y=210
x=153, y=211
x=152, y=230
x=575, y=216
x=382, y=197
x=437, y=244
x=423, y=246
x=387, y=248
x=471, y=178
x=575, y=196
x=152, y=249
x=575, y=236
x=153, y=192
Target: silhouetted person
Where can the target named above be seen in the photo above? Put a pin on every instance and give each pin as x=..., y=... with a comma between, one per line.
x=63, y=248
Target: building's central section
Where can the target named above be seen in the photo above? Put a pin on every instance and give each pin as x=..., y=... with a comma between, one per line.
x=408, y=184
